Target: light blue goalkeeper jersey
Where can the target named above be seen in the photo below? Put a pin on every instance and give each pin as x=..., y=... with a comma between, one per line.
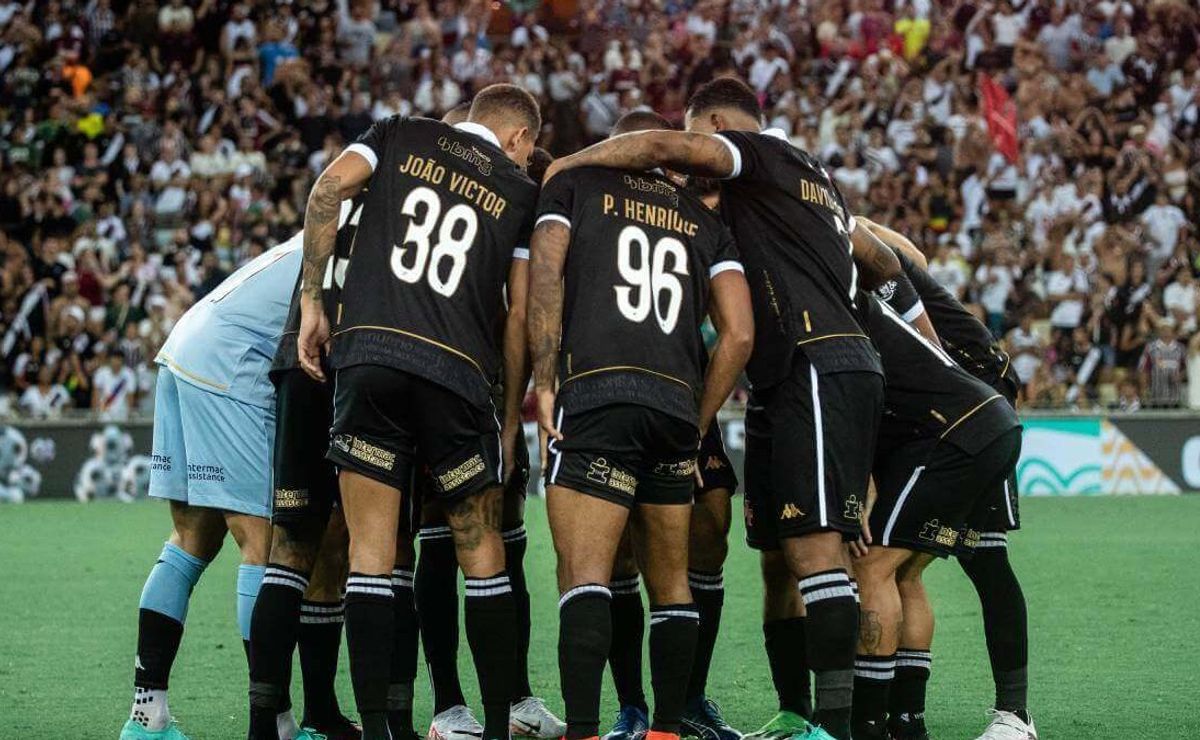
x=225, y=343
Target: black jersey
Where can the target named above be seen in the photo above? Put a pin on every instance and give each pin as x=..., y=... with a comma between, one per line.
x=928, y=396
x=635, y=288
x=444, y=212
x=793, y=230
x=965, y=337
x=286, y=356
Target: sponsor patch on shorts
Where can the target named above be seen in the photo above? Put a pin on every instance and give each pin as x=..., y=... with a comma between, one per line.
x=681, y=469
x=461, y=474
x=198, y=472
x=360, y=449
x=933, y=531
x=291, y=498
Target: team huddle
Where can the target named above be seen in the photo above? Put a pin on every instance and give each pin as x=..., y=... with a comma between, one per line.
x=358, y=389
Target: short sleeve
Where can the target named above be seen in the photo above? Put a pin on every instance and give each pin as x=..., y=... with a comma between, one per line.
x=557, y=200
x=741, y=148
x=725, y=257
x=902, y=297
x=370, y=146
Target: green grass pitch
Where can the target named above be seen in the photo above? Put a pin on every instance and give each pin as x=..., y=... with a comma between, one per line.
x=1112, y=586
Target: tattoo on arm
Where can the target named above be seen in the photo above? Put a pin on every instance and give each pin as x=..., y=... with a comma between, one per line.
x=320, y=231
x=548, y=255
x=693, y=154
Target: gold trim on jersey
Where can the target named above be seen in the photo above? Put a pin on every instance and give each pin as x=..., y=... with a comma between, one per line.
x=830, y=336
x=434, y=342
x=967, y=415
x=175, y=366
x=626, y=367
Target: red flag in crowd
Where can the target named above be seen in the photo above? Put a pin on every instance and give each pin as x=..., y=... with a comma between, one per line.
x=1001, y=114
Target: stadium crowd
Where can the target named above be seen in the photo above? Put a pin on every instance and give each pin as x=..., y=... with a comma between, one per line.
x=1044, y=154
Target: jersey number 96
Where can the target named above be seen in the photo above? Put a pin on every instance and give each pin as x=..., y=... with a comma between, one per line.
x=650, y=278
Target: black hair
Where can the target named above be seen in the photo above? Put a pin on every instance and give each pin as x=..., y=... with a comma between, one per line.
x=507, y=101
x=725, y=92
x=640, y=120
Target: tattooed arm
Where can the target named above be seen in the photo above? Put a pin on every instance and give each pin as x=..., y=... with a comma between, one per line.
x=548, y=255
x=691, y=154
x=877, y=263
x=342, y=179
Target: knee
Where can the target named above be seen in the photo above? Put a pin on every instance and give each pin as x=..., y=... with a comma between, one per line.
x=668, y=589
x=708, y=544
x=253, y=537
x=294, y=544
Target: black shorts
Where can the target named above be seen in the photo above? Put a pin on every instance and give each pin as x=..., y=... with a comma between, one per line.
x=386, y=420
x=432, y=521
x=305, y=482
x=996, y=514
x=625, y=453
x=715, y=467
x=928, y=491
x=810, y=441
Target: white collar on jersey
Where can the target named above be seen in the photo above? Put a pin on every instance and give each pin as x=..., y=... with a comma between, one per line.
x=479, y=130
x=777, y=133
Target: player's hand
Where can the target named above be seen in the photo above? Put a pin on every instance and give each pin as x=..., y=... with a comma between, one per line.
x=861, y=546
x=314, y=337
x=546, y=427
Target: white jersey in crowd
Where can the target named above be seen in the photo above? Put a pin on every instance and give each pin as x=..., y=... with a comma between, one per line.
x=115, y=389
x=225, y=343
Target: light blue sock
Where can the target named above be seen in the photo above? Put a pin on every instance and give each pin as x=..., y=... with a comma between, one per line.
x=171, y=581
x=249, y=582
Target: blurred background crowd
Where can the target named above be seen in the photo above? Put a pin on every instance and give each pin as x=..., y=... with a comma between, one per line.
x=1044, y=154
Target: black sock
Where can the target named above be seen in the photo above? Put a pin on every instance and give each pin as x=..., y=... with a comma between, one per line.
x=831, y=632
x=787, y=654
x=436, y=589
x=491, y=633
x=320, y=641
x=585, y=631
x=158, y=643
x=873, y=676
x=515, y=543
x=404, y=655
x=708, y=591
x=274, y=630
x=673, y=631
x=1005, y=622
x=906, y=704
x=625, y=652
x=370, y=623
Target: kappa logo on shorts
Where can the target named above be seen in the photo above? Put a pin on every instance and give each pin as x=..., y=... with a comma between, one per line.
x=598, y=471
x=291, y=498
x=853, y=509
x=714, y=462
x=933, y=531
x=462, y=473
x=791, y=511
x=372, y=455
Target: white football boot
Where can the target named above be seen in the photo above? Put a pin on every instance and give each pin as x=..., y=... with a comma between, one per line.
x=456, y=723
x=530, y=718
x=1008, y=726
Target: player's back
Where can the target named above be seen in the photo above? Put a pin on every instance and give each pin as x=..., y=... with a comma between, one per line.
x=928, y=396
x=636, y=287
x=225, y=343
x=444, y=211
x=792, y=228
x=964, y=336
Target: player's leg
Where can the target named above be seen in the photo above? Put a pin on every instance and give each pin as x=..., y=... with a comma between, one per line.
x=404, y=647
x=786, y=647
x=586, y=531
x=529, y=716
x=878, y=639
x=436, y=589
x=906, y=702
x=196, y=537
x=322, y=615
x=372, y=510
x=661, y=543
x=625, y=651
x=707, y=548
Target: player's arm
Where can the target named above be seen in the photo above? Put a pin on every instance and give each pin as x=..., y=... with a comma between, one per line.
x=733, y=317
x=895, y=240
x=690, y=153
x=547, y=258
x=516, y=354
x=342, y=179
x=877, y=264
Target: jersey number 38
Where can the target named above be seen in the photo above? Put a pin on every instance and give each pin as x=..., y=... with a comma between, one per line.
x=443, y=261
x=650, y=278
